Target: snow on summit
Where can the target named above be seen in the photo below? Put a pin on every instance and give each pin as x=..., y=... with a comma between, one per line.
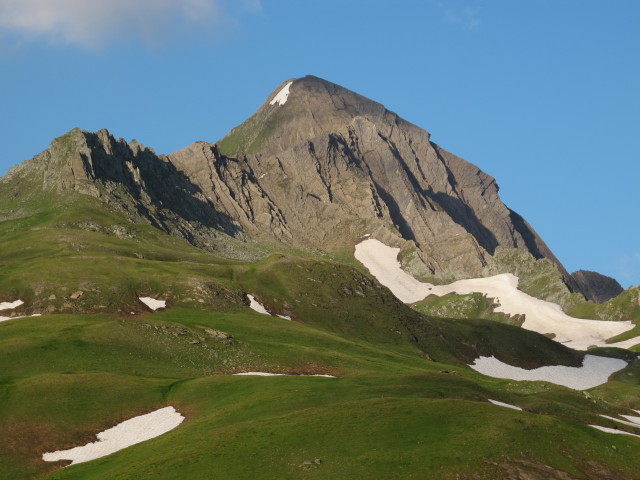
x=282, y=96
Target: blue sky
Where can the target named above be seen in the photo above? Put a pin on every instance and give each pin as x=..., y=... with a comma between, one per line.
x=543, y=95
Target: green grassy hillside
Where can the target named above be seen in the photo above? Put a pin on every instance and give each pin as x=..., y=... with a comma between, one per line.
x=404, y=405
x=391, y=413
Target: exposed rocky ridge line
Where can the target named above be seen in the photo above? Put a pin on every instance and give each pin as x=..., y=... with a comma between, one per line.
x=597, y=287
x=133, y=180
x=318, y=171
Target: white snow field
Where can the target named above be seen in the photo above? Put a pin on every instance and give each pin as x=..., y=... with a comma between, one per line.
x=282, y=96
x=10, y=305
x=132, y=431
x=152, y=303
x=593, y=372
x=540, y=316
x=502, y=404
x=613, y=430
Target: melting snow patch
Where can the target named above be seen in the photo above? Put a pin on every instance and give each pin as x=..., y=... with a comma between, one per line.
x=4, y=319
x=540, y=316
x=593, y=372
x=256, y=305
x=152, y=303
x=265, y=374
x=613, y=430
x=633, y=419
x=10, y=305
x=282, y=96
x=632, y=342
x=123, y=435
x=624, y=422
x=502, y=404
x=383, y=264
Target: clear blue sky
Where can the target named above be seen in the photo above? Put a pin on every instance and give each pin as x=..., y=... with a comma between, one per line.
x=543, y=95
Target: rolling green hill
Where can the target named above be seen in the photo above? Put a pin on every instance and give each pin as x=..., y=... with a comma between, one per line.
x=403, y=404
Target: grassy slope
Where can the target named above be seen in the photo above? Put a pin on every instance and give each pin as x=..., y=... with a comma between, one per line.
x=392, y=414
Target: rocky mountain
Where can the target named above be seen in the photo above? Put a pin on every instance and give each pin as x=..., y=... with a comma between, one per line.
x=113, y=309
x=597, y=287
x=316, y=166
x=324, y=166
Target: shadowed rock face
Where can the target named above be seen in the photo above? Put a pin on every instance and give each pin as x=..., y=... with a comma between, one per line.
x=131, y=179
x=329, y=166
x=597, y=287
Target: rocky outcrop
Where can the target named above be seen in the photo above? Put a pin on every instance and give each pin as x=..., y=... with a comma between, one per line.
x=597, y=287
x=130, y=179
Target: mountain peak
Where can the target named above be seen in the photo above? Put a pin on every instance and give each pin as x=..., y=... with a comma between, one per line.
x=298, y=109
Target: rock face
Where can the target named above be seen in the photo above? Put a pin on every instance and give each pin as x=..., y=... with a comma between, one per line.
x=131, y=179
x=317, y=166
x=597, y=287
x=327, y=166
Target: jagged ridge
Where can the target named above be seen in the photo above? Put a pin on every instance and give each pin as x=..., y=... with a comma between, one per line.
x=321, y=170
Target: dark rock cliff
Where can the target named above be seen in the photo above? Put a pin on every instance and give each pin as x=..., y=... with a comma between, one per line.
x=597, y=287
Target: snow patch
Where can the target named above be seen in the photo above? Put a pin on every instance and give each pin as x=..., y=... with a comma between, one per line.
x=540, y=316
x=266, y=374
x=10, y=305
x=613, y=430
x=256, y=305
x=261, y=374
x=152, y=303
x=382, y=262
x=624, y=422
x=502, y=404
x=632, y=418
x=123, y=435
x=632, y=342
x=282, y=96
x=593, y=372
x=4, y=319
